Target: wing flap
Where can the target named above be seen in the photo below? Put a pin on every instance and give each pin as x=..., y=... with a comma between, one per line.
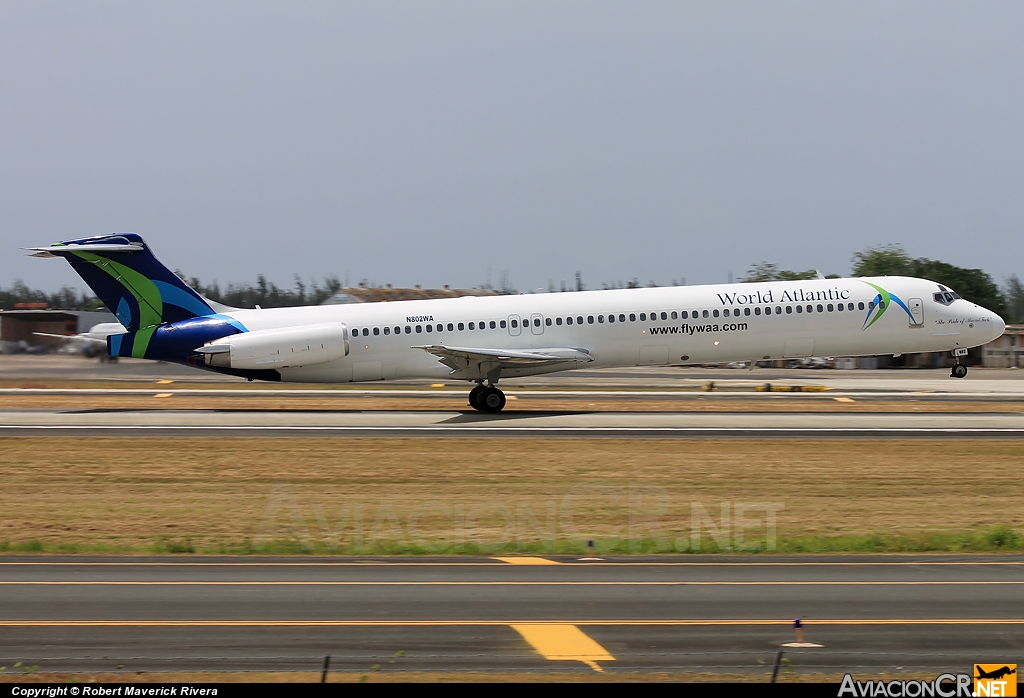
x=461, y=358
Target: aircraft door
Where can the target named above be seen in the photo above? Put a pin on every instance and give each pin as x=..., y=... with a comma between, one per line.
x=514, y=325
x=917, y=311
x=537, y=323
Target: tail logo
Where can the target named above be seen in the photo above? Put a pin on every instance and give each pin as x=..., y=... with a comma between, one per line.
x=881, y=302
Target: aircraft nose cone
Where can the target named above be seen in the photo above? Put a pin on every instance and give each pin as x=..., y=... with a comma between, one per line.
x=998, y=326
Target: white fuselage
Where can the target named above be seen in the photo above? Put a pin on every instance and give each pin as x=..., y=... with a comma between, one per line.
x=652, y=326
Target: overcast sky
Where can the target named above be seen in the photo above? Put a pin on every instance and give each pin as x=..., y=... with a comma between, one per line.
x=429, y=142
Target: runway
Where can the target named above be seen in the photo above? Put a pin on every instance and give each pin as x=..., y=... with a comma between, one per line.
x=641, y=614
x=256, y=422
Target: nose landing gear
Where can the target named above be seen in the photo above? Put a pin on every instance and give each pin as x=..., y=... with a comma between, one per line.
x=959, y=370
x=487, y=398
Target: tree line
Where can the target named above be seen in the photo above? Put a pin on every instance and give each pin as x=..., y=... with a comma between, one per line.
x=888, y=260
x=892, y=260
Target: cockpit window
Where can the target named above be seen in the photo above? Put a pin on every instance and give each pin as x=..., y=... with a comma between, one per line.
x=948, y=297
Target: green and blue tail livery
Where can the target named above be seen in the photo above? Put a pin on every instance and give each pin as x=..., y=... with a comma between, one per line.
x=143, y=294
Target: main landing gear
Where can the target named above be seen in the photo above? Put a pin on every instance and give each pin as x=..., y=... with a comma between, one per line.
x=959, y=370
x=486, y=398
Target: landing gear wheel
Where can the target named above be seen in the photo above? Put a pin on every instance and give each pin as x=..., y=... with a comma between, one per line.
x=959, y=371
x=492, y=400
x=474, y=397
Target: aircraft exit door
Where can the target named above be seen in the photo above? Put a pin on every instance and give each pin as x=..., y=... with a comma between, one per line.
x=917, y=311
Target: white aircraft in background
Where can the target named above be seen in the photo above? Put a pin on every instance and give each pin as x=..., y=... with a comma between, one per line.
x=484, y=339
x=94, y=341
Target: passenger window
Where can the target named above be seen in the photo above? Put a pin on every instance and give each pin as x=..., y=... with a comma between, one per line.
x=810, y=308
x=472, y=326
x=398, y=330
x=705, y=313
x=820, y=309
x=376, y=331
x=829, y=307
x=860, y=306
x=757, y=311
x=727, y=312
x=440, y=327
x=611, y=318
x=622, y=318
x=778, y=310
x=515, y=323
x=643, y=317
x=430, y=328
x=451, y=327
x=799, y=309
x=536, y=322
x=881, y=305
x=419, y=329
x=568, y=320
x=840, y=307
x=579, y=319
x=871, y=305
x=716, y=313
x=767, y=311
x=387, y=330
x=493, y=324
x=558, y=321
x=746, y=311
x=684, y=314
x=600, y=318
x=789, y=310
x=502, y=324
x=590, y=319
x=849, y=306
x=547, y=321
x=632, y=317
x=461, y=327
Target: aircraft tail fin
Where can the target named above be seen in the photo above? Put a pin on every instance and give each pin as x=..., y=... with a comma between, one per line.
x=122, y=271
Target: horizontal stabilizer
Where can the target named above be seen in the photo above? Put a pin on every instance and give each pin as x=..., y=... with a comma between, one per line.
x=52, y=249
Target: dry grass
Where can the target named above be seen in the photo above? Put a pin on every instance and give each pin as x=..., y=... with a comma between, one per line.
x=211, y=494
x=445, y=403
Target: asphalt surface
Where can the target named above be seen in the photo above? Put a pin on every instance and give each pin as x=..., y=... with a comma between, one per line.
x=719, y=614
x=257, y=422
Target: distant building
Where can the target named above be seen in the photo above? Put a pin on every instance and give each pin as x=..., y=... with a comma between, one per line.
x=1006, y=351
x=364, y=294
x=21, y=325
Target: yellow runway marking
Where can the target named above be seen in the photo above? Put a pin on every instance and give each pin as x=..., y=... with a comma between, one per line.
x=843, y=399
x=524, y=583
x=483, y=623
x=164, y=395
x=164, y=382
x=527, y=560
x=564, y=642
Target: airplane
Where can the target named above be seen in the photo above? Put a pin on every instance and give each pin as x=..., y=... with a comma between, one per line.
x=486, y=339
x=93, y=340
x=996, y=674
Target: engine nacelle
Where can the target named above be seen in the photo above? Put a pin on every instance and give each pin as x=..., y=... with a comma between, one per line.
x=287, y=347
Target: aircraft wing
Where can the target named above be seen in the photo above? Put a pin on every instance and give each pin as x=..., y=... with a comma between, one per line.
x=462, y=358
